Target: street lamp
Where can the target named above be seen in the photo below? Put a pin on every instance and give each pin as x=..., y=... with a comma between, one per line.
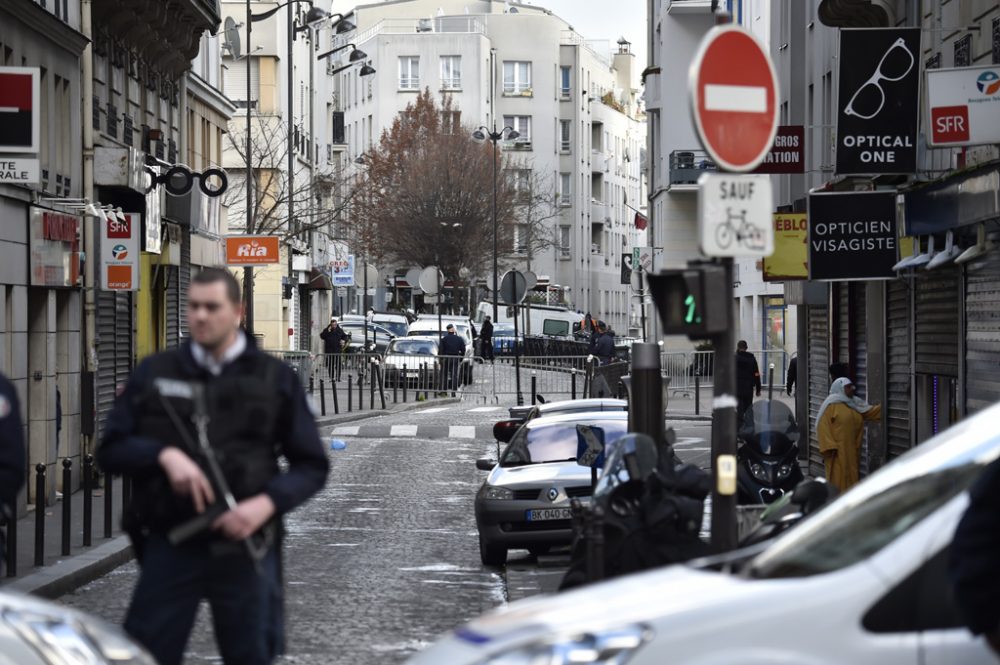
x=313, y=17
x=484, y=134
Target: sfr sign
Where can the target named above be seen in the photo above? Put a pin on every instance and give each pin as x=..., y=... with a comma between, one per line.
x=950, y=124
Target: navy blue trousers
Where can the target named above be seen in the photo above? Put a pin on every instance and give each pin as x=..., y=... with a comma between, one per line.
x=247, y=608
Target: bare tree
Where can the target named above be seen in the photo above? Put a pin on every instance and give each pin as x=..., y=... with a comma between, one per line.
x=427, y=195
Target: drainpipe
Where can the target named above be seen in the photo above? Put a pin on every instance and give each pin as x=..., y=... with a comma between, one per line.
x=89, y=341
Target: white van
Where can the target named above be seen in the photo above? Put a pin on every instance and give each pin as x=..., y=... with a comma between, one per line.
x=535, y=320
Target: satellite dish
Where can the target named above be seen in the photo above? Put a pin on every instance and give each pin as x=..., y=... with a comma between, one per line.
x=371, y=272
x=431, y=280
x=531, y=279
x=413, y=277
x=232, y=33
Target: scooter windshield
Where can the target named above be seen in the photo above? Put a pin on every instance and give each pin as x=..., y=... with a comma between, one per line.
x=770, y=427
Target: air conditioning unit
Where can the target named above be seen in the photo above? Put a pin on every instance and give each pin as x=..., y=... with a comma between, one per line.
x=522, y=144
x=425, y=25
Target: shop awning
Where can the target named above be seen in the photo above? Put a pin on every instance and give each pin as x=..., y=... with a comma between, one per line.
x=318, y=280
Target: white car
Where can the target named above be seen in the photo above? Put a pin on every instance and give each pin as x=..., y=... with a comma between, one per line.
x=37, y=632
x=414, y=357
x=424, y=327
x=864, y=582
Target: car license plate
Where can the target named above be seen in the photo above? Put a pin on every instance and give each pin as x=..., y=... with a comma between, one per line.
x=546, y=514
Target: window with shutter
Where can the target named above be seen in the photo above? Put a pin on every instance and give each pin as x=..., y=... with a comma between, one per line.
x=235, y=81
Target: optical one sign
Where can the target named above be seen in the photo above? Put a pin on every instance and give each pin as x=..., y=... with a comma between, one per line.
x=878, y=110
x=852, y=235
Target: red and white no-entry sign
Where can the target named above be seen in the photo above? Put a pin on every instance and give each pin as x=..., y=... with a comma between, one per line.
x=734, y=98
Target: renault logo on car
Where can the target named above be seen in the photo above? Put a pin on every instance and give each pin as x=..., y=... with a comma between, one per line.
x=553, y=493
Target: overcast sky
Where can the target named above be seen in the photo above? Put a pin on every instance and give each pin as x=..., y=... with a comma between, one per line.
x=605, y=19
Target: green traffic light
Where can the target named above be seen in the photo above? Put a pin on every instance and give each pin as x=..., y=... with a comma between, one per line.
x=690, y=317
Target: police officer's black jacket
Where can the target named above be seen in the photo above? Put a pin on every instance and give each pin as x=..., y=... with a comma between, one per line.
x=257, y=410
x=747, y=373
x=12, y=453
x=452, y=345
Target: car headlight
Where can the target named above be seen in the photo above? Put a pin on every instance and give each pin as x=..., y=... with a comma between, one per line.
x=61, y=640
x=497, y=493
x=609, y=647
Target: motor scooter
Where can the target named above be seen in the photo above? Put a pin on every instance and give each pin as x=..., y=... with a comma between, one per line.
x=768, y=456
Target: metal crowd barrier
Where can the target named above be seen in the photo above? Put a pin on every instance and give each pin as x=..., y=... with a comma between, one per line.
x=553, y=377
x=686, y=369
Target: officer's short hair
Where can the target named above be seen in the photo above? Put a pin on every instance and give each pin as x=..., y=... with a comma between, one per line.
x=742, y=345
x=213, y=275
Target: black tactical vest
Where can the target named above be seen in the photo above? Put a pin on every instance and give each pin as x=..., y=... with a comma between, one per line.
x=242, y=405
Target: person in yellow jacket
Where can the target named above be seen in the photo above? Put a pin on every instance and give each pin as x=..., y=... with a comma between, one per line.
x=840, y=426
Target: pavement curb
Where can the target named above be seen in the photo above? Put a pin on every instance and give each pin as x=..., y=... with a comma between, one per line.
x=690, y=417
x=75, y=571
x=398, y=408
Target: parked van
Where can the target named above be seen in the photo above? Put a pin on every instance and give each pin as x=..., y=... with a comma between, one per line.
x=535, y=320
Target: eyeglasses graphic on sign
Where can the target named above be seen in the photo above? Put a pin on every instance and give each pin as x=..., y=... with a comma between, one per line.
x=869, y=99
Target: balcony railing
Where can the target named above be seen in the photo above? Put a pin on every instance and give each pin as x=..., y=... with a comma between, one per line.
x=409, y=83
x=687, y=165
x=424, y=26
x=454, y=83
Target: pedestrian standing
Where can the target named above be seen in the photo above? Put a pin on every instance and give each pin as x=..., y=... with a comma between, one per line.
x=793, y=375
x=747, y=380
x=452, y=352
x=602, y=344
x=840, y=425
x=486, y=340
x=975, y=551
x=334, y=340
x=12, y=455
x=213, y=415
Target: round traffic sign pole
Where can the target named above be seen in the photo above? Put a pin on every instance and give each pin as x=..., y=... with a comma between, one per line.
x=734, y=98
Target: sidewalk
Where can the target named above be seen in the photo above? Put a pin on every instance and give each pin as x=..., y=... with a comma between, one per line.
x=60, y=574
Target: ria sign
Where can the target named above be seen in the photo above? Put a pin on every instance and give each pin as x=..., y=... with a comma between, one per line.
x=252, y=250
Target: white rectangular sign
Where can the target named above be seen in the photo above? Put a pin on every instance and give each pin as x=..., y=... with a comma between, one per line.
x=734, y=215
x=120, y=252
x=963, y=106
x=19, y=171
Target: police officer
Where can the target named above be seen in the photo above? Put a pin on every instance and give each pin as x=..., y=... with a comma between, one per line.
x=452, y=351
x=12, y=461
x=747, y=380
x=256, y=411
x=602, y=344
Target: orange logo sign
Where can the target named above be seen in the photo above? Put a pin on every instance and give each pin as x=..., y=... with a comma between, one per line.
x=120, y=277
x=252, y=250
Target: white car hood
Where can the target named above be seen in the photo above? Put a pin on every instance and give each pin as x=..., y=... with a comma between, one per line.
x=402, y=360
x=688, y=600
x=531, y=475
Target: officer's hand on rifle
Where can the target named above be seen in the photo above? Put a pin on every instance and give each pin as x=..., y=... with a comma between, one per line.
x=186, y=477
x=246, y=518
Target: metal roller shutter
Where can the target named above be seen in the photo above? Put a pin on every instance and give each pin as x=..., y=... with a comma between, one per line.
x=898, y=378
x=982, y=315
x=936, y=323
x=859, y=342
x=184, y=283
x=105, y=356
x=819, y=379
x=843, y=352
x=305, y=319
x=173, y=307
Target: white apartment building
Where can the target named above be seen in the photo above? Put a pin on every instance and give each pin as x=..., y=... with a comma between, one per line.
x=574, y=103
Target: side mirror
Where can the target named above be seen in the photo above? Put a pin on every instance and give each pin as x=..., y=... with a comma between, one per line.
x=504, y=430
x=485, y=464
x=811, y=495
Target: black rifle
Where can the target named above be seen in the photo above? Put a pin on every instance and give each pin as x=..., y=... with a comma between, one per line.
x=225, y=501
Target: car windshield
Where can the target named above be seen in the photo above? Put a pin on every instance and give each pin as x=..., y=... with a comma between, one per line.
x=413, y=347
x=866, y=527
x=555, y=442
x=397, y=328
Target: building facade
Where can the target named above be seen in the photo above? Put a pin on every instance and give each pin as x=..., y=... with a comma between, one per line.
x=573, y=102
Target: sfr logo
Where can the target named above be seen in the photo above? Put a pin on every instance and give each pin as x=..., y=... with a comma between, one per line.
x=950, y=124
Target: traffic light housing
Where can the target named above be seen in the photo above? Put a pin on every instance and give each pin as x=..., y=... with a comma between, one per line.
x=691, y=301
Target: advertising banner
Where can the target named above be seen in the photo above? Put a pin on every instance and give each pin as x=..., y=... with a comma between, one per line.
x=54, y=248
x=963, y=106
x=120, y=253
x=252, y=250
x=852, y=235
x=790, y=260
x=878, y=108
x=19, y=109
x=788, y=152
x=343, y=270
